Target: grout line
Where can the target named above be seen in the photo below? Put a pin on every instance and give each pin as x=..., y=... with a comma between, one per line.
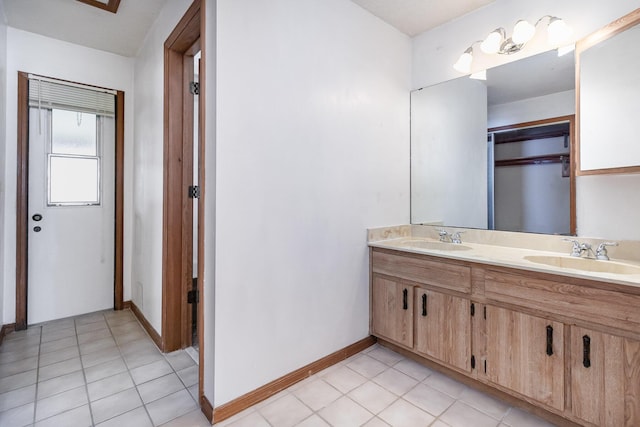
x=35, y=398
x=84, y=376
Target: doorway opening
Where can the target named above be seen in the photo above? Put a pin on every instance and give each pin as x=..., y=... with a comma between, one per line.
x=531, y=177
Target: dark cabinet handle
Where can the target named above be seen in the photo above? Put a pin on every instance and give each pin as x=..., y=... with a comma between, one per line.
x=549, y=340
x=586, y=351
x=405, y=294
x=424, y=305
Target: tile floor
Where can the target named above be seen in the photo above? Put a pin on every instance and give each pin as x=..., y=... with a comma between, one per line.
x=376, y=388
x=100, y=369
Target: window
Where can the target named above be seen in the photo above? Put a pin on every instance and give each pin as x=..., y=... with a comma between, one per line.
x=74, y=159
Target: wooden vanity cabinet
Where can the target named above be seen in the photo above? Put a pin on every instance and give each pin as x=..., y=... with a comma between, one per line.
x=525, y=354
x=443, y=328
x=392, y=310
x=605, y=378
x=569, y=346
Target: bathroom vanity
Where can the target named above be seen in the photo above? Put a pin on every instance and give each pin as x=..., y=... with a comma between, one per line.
x=515, y=314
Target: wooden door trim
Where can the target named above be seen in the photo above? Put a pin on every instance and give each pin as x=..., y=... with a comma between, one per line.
x=22, y=202
x=177, y=237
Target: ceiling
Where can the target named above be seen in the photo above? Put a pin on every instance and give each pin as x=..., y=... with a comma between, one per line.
x=75, y=22
x=413, y=17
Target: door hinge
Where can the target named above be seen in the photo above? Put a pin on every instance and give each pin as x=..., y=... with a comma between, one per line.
x=194, y=192
x=473, y=309
x=194, y=88
x=473, y=362
x=193, y=297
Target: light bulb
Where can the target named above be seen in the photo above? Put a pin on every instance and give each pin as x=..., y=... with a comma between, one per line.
x=463, y=64
x=523, y=32
x=558, y=31
x=493, y=41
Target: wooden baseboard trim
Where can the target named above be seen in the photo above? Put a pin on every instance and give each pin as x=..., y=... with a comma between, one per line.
x=207, y=408
x=126, y=305
x=478, y=385
x=6, y=329
x=155, y=336
x=238, y=405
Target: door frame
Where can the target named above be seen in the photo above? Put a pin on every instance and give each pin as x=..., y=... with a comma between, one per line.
x=177, y=219
x=22, y=201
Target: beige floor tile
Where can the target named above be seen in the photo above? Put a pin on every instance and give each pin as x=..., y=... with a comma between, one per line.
x=104, y=370
x=403, y=414
x=462, y=415
x=58, y=344
x=179, y=360
x=253, y=419
x=19, y=366
x=19, y=354
x=313, y=421
x=77, y=417
x=98, y=357
x=18, y=397
x=58, y=369
x=285, y=412
x=91, y=327
x=429, y=399
x=375, y=422
x=59, y=384
x=170, y=407
x=58, y=356
x=344, y=379
x=194, y=418
x=101, y=344
x=317, y=394
x=18, y=381
x=385, y=355
x=151, y=371
x=344, y=412
x=413, y=369
x=18, y=417
x=372, y=397
x=519, y=418
x=58, y=334
x=395, y=381
x=61, y=402
x=108, y=386
x=115, y=405
x=189, y=376
x=135, y=418
x=485, y=403
x=367, y=366
x=84, y=338
x=160, y=387
x=445, y=384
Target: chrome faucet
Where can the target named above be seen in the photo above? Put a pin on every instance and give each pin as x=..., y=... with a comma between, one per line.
x=455, y=237
x=443, y=234
x=601, y=251
x=578, y=248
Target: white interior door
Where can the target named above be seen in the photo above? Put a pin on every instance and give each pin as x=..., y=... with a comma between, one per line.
x=71, y=209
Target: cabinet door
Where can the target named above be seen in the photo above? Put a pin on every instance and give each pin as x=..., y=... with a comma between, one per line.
x=605, y=378
x=443, y=328
x=526, y=354
x=392, y=310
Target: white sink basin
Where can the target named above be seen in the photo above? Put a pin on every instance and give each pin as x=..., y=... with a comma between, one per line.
x=433, y=246
x=584, y=264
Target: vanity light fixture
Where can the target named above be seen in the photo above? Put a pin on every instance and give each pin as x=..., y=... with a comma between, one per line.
x=498, y=42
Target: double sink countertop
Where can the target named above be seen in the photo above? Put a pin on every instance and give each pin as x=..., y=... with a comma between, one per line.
x=532, y=252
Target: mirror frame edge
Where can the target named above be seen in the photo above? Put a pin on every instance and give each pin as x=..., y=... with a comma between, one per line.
x=608, y=31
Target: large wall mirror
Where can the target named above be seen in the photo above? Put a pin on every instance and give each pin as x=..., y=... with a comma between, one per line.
x=497, y=153
x=608, y=101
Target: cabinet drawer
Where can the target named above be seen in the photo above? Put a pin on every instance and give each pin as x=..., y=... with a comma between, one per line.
x=422, y=270
x=580, y=302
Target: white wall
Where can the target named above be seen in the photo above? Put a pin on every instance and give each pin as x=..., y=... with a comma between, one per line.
x=312, y=148
x=37, y=54
x=148, y=140
x=435, y=51
x=3, y=104
x=527, y=110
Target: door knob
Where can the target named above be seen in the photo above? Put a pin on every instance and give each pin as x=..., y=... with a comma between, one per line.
x=37, y=217
x=37, y=228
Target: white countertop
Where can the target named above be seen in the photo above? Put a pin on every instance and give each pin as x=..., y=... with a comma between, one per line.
x=503, y=256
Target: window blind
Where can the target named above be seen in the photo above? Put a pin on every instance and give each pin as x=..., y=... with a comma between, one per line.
x=46, y=93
